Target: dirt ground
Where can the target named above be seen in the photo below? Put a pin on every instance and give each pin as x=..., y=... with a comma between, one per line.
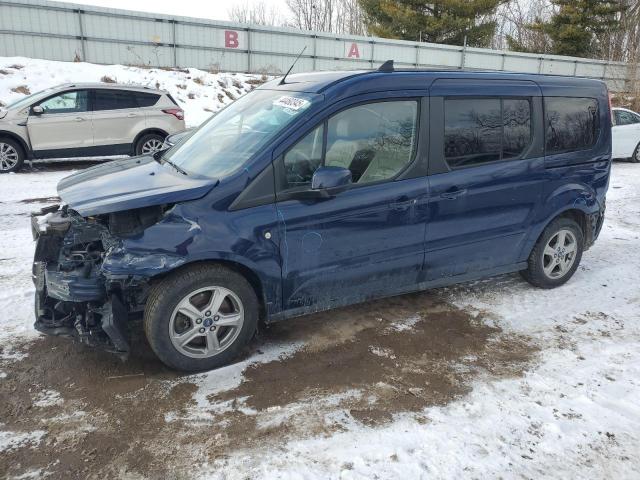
x=104, y=418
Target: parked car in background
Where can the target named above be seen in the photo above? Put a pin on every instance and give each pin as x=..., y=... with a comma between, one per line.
x=171, y=140
x=325, y=190
x=626, y=134
x=81, y=120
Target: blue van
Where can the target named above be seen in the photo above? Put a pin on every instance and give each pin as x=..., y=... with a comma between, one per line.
x=322, y=190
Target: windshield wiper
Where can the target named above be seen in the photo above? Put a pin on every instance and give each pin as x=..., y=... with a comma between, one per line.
x=158, y=157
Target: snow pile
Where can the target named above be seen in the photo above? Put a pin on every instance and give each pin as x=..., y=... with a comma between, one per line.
x=198, y=92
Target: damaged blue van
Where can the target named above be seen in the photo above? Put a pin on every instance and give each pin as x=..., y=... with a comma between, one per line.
x=323, y=190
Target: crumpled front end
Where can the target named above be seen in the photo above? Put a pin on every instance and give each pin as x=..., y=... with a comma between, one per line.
x=74, y=296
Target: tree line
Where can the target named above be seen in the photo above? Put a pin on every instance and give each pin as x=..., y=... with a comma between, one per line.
x=602, y=29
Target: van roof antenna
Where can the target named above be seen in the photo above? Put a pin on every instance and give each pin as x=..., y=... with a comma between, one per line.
x=282, y=82
x=386, y=67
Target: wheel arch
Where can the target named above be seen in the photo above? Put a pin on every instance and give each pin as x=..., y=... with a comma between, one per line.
x=144, y=132
x=17, y=138
x=249, y=274
x=579, y=215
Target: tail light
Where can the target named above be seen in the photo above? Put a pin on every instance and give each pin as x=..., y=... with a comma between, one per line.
x=176, y=112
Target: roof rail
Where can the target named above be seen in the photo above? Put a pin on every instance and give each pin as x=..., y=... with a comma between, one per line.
x=386, y=67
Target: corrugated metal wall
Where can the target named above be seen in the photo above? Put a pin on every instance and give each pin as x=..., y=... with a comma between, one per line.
x=64, y=31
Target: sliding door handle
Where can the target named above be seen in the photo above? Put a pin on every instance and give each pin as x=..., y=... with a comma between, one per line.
x=402, y=206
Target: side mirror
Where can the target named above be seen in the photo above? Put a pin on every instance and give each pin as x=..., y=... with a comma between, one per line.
x=37, y=110
x=326, y=182
x=332, y=179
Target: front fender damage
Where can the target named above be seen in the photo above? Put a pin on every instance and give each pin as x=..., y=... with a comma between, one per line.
x=88, y=283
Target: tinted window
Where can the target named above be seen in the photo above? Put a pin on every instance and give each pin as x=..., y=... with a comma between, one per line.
x=517, y=127
x=304, y=158
x=146, y=99
x=485, y=130
x=375, y=141
x=626, y=118
x=114, y=100
x=67, y=102
x=472, y=131
x=572, y=124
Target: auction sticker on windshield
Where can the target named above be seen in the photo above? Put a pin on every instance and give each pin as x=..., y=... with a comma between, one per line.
x=291, y=103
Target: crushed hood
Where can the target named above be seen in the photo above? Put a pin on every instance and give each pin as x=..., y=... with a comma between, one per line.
x=129, y=184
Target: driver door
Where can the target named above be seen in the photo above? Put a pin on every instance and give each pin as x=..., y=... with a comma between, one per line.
x=367, y=241
x=63, y=127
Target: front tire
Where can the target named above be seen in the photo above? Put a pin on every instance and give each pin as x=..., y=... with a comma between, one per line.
x=635, y=158
x=149, y=144
x=201, y=317
x=557, y=254
x=11, y=155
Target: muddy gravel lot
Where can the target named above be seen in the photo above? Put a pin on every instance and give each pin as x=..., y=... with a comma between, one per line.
x=486, y=379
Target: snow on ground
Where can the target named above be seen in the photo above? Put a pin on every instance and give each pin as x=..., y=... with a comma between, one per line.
x=574, y=413
x=199, y=93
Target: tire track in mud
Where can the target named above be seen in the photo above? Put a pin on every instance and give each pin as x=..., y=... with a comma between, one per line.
x=359, y=365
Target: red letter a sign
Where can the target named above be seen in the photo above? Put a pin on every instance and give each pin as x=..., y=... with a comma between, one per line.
x=353, y=51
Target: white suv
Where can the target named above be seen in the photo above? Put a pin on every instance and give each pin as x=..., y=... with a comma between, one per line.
x=83, y=120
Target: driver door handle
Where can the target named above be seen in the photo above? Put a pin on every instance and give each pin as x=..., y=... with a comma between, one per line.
x=452, y=195
x=80, y=119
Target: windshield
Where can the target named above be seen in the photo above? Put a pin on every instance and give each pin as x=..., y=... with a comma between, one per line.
x=26, y=101
x=227, y=140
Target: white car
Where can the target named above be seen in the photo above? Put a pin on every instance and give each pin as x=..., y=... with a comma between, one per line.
x=81, y=120
x=626, y=134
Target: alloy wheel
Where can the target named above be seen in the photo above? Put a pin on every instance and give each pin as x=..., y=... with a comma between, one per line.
x=152, y=145
x=206, y=322
x=559, y=254
x=8, y=156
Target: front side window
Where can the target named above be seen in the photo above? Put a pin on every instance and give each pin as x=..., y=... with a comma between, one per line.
x=67, y=102
x=572, y=124
x=376, y=141
x=626, y=118
x=484, y=130
x=304, y=158
x=226, y=141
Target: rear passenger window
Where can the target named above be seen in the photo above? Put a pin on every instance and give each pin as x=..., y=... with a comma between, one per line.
x=572, y=124
x=114, y=100
x=485, y=130
x=146, y=99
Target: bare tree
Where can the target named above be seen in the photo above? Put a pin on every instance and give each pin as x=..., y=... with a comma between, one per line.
x=255, y=13
x=336, y=16
x=514, y=30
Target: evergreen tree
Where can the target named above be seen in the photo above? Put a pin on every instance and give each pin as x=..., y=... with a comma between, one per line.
x=436, y=21
x=575, y=26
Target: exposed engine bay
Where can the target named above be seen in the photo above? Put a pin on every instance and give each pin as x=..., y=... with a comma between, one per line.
x=74, y=295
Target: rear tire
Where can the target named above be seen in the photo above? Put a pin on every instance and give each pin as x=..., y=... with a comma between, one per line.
x=557, y=254
x=11, y=155
x=635, y=158
x=149, y=144
x=201, y=317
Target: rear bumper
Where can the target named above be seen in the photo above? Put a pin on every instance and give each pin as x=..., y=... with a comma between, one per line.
x=594, y=225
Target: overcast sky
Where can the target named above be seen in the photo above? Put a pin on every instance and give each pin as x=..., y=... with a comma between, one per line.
x=214, y=9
